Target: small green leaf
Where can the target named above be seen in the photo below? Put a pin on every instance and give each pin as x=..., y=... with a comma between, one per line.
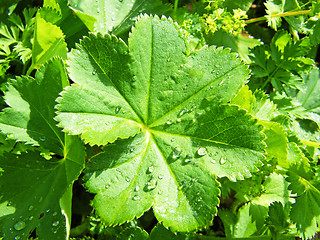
x=159, y=232
x=30, y=115
x=48, y=42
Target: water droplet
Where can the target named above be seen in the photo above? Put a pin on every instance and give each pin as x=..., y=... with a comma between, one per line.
x=159, y=192
x=169, y=122
x=54, y=214
x=169, y=59
x=183, y=111
x=160, y=177
x=150, y=169
x=107, y=186
x=202, y=151
x=9, y=204
x=56, y=223
x=179, y=120
x=127, y=179
x=30, y=218
x=223, y=160
x=213, y=161
x=20, y=225
x=42, y=138
x=117, y=109
x=135, y=198
x=48, y=210
x=17, y=238
x=136, y=189
x=98, y=10
x=131, y=149
x=173, y=139
x=30, y=208
x=188, y=158
x=176, y=153
x=94, y=72
x=151, y=185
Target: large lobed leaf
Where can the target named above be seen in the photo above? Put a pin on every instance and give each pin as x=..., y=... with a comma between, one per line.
x=168, y=115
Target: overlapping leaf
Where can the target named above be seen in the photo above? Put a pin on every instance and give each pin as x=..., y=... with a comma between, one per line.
x=113, y=15
x=31, y=186
x=168, y=111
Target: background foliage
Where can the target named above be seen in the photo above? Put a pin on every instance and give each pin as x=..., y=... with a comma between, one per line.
x=136, y=119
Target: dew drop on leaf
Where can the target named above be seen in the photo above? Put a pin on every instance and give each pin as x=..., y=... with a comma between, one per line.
x=150, y=169
x=30, y=208
x=183, y=111
x=30, y=218
x=136, y=189
x=117, y=109
x=54, y=214
x=42, y=138
x=19, y=225
x=151, y=185
x=94, y=72
x=160, y=177
x=223, y=160
x=202, y=151
x=56, y=223
x=135, y=198
x=17, y=238
x=107, y=186
x=188, y=158
x=176, y=153
x=127, y=179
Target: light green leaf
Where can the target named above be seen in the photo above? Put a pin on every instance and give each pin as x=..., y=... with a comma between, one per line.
x=48, y=42
x=29, y=117
x=276, y=140
x=30, y=190
x=170, y=115
x=252, y=216
x=305, y=211
x=310, y=98
x=114, y=15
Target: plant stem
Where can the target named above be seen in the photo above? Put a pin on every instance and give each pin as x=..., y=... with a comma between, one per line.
x=175, y=7
x=285, y=14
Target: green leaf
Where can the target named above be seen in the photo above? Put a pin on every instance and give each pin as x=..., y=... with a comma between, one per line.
x=29, y=117
x=251, y=216
x=309, y=99
x=165, y=109
x=306, y=210
x=133, y=232
x=48, y=42
x=159, y=232
x=113, y=15
x=278, y=217
x=31, y=188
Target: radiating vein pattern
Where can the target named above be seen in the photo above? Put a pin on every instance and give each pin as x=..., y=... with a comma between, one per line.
x=169, y=121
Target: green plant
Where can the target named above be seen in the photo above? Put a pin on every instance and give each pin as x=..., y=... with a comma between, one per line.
x=128, y=125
